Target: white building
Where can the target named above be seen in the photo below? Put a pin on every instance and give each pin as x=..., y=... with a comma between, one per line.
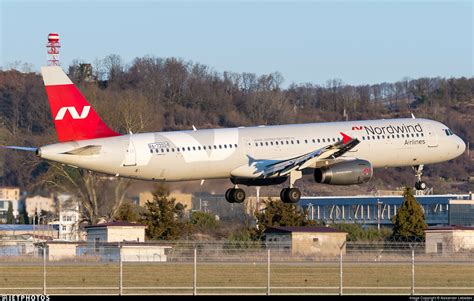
x=9, y=194
x=69, y=217
x=450, y=239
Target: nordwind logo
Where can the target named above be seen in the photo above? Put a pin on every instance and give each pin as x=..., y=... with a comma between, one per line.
x=73, y=112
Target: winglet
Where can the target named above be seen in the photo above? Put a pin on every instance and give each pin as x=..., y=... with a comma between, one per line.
x=345, y=137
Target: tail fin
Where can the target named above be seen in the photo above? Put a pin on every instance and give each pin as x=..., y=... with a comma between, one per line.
x=73, y=116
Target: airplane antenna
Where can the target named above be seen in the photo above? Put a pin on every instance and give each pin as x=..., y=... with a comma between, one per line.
x=194, y=128
x=413, y=116
x=53, y=49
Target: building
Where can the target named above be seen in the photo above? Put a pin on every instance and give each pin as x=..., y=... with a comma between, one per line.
x=37, y=203
x=450, y=239
x=69, y=217
x=449, y=209
x=51, y=231
x=323, y=241
x=115, y=232
x=183, y=198
x=9, y=194
x=115, y=240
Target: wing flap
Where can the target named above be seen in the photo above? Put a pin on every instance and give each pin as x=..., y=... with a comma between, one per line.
x=284, y=167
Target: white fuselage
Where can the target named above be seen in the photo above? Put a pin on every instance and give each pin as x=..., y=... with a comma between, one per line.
x=225, y=153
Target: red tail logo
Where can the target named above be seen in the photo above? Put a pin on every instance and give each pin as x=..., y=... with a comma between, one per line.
x=73, y=112
x=74, y=117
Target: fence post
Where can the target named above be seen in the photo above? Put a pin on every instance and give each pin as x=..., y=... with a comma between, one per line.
x=44, y=269
x=340, y=267
x=195, y=273
x=412, y=271
x=268, y=271
x=121, y=270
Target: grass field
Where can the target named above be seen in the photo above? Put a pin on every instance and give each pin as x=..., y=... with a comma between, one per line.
x=238, y=278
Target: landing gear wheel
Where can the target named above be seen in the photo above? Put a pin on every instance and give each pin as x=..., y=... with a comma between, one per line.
x=282, y=194
x=420, y=185
x=290, y=195
x=238, y=195
x=228, y=195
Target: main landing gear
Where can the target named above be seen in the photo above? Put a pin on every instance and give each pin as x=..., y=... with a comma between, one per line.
x=235, y=195
x=419, y=185
x=291, y=195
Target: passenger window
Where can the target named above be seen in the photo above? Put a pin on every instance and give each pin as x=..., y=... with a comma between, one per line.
x=194, y=148
x=266, y=143
x=319, y=141
x=324, y=140
x=220, y=146
x=162, y=150
x=368, y=137
x=398, y=136
x=271, y=142
x=287, y=142
x=292, y=142
x=306, y=141
x=276, y=142
x=172, y=150
x=422, y=135
x=363, y=137
x=151, y=151
x=403, y=136
x=297, y=142
x=199, y=148
x=378, y=137
x=314, y=141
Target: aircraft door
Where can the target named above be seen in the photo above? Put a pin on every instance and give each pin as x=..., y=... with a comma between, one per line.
x=431, y=136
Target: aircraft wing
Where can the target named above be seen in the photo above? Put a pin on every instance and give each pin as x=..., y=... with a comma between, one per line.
x=284, y=167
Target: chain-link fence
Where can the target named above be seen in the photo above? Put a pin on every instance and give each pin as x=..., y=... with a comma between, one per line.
x=233, y=268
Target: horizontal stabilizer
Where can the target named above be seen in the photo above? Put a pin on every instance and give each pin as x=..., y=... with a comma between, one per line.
x=87, y=150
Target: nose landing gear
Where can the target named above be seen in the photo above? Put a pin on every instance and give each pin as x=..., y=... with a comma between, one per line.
x=419, y=184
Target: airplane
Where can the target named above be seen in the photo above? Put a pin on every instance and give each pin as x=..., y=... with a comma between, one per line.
x=335, y=153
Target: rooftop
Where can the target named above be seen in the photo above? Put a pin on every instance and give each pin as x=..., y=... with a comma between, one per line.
x=450, y=228
x=302, y=229
x=115, y=224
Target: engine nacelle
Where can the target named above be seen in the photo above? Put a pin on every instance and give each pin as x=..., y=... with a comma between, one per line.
x=345, y=173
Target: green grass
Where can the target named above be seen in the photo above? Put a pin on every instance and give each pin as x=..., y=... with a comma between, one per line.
x=298, y=278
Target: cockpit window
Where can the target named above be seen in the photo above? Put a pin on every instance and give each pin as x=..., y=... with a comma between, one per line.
x=448, y=132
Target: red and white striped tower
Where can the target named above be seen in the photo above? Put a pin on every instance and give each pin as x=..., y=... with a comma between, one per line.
x=53, y=49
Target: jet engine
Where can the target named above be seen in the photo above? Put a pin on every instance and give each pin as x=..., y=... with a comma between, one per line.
x=344, y=173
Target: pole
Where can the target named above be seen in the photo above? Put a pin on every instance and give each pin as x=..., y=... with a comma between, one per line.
x=412, y=271
x=268, y=271
x=121, y=270
x=340, y=272
x=195, y=273
x=44, y=269
x=340, y=267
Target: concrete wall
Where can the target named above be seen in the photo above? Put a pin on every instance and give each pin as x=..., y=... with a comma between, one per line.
x=305, y=243
x=317, y=243
x=116, y=234
x=126, y=234
x=143, y=253
x=58, y=251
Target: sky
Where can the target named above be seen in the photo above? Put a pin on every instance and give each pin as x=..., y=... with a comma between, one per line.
x=359, y=42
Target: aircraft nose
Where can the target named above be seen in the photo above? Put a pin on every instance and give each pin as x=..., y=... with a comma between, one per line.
x=461, y=146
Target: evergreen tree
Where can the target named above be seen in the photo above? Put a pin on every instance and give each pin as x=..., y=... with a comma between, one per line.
x=10, y=216
x=128, y=212
x=163, y=217
x=409, y=222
